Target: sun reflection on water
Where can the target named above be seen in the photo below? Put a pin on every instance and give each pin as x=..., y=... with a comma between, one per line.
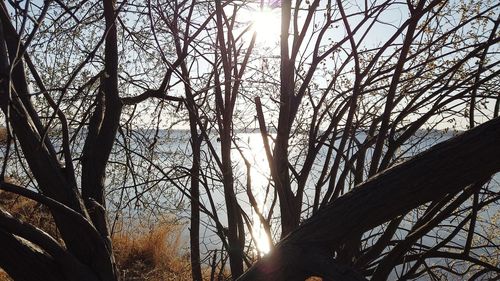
x=259, y=173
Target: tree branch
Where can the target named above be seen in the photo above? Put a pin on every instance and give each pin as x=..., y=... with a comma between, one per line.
x=446, y=168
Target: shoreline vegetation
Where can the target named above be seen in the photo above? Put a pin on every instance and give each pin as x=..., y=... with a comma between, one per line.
x=148, y=254
x=259, y=140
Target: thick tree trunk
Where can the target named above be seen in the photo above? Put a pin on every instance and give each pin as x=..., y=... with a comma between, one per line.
x=84, y=241
x=289, y=209
x=446, y=168
x=41, y=267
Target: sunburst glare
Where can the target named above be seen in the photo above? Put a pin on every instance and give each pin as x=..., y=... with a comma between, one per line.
x=266, y=23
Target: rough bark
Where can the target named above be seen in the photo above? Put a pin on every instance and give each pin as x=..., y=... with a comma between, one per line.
x=446, y=168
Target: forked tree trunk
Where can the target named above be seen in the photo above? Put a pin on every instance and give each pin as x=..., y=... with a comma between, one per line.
x=446, y=168
x=86, y=253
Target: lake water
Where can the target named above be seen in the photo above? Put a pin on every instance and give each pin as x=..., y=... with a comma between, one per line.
x=171, y=155
x=141, y=190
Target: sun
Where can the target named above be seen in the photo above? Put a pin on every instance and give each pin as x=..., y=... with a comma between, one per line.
x=265, y=23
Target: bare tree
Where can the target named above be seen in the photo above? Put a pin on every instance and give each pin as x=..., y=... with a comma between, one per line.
x=373, y=111
x=352, y=91
x=80, y=217
x=430, y=176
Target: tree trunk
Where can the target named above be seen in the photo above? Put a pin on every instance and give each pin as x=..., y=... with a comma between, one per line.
x=234, y=219
x=194, y=231
x=84, y=241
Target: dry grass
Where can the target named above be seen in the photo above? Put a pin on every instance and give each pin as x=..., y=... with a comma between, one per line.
x=29, y=211
x=4, y=276
x=148, y=254
x=3, y=135
x=155, y=254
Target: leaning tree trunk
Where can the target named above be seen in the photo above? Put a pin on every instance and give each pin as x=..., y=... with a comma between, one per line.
x=446, y=168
